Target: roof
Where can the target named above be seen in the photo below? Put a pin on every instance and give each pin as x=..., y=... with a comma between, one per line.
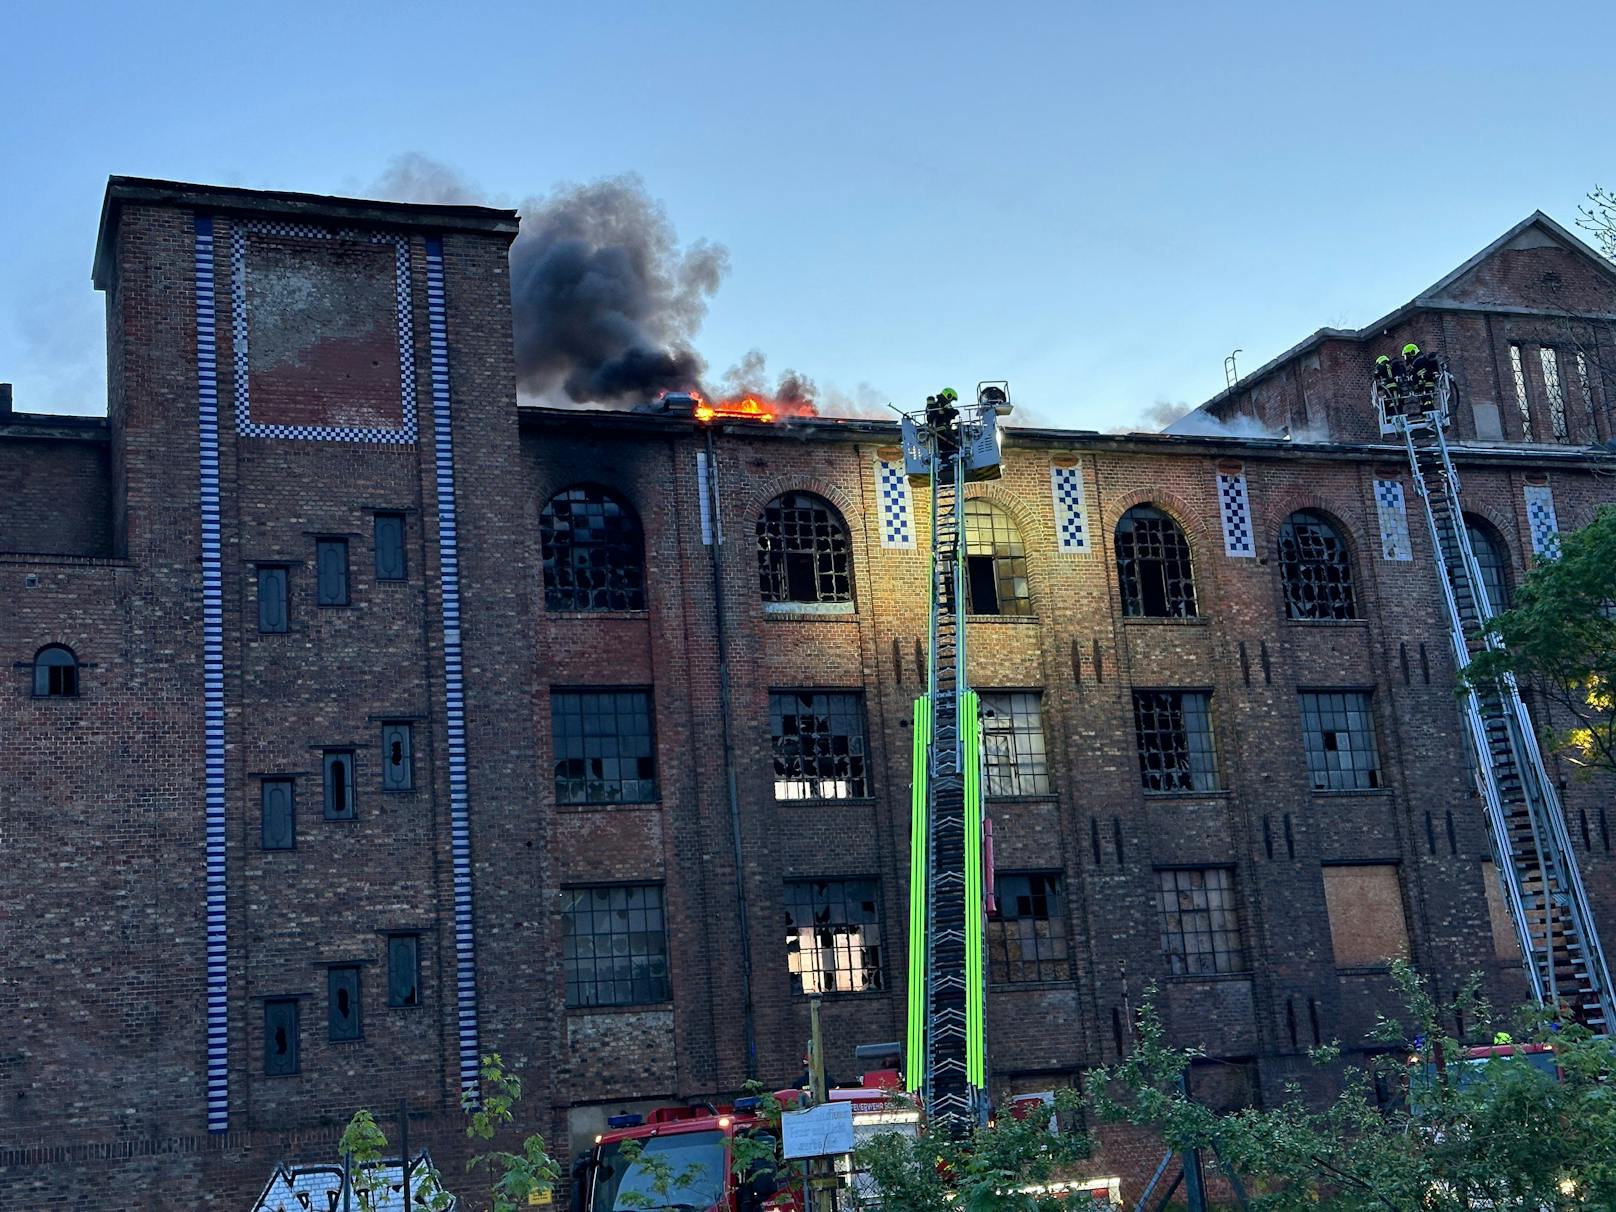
x=421, y=215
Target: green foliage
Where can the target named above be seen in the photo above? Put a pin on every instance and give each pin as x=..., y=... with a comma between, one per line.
x=363, y=1143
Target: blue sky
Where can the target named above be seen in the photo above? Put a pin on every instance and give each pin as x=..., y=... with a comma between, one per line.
x=1096, y=201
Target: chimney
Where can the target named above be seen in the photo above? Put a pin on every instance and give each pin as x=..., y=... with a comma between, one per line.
x=5, y=399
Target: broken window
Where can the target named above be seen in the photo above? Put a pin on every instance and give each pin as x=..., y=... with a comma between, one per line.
x=803, y=551
x=1365, y=906
x=1027, y=940
x=331, y=572
x=1153, y=566
x=833, y=935
x=1493, y=564
x=279, y=823
x=1587, y=394
x=56, y=672
x=818, y=745
x=1550, y=361
x=342, y=1002
x=594, y=552
x=1338, y=730
x=995, y=562
x=272, y=584
x=398, y=767
x=337, y=770
x=1315, y=568
x=614, y=945
x=1013, y=742
x=605, y=752
x=280, y=1037
x=390, y=562
x=1174, y=730
x=1522, y=401
x=403, y=970
x=1200, y=922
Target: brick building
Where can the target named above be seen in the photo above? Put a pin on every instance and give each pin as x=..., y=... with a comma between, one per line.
x=362, y=721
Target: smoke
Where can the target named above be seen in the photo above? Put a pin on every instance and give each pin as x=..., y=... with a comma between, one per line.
x=750, y=377
x=413, y=177
x=1182, y=420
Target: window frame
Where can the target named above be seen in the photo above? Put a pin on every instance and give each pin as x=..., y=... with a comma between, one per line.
x=73, y=672
x=264, y=785
x=1301, y=574
x=322, y=596
x=873, y=972
x=861, y=785
x=390, y=518
x=1231, y=889
x=285, y=578
x=294, y=1064
x=393, y=730
x=573, y=970
x=1007, y=567
x=775, y=554
x=646, y=790
x=346, y=758
x=413, y=938
x=998, y=936
x=1319, y=707
x=1213, y=775
x=331, y=991
x=1493, y=543
x=624, y=574
x=1128, y=562
x=1040, y=775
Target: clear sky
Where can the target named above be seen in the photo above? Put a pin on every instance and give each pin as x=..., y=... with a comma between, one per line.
x=1095, y=201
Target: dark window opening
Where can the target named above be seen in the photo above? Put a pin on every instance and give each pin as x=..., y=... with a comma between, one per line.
x=605, y=749
x=995, y=562
x=403, y=970
x=1153, y=566
x=594, y=552
x=331, y=572
x=1027, y=941
x=280, y=1037
x=398, y=772
x=1338, y=731
x=279, y=826
x=1200, y=922
x=1315, y=569
x=390, y=560
x=339, y=785
x=1174, y=730
x=1013, y=743
x=981, y=587
x=1491, y=562
x=272, y=613
x=803, y=551
x=818, y=745
x=342, y=997
x=56, y=673
x=833, y=936
x=614, y=945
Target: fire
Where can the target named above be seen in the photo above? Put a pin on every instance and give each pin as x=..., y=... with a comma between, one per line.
x=748, y=408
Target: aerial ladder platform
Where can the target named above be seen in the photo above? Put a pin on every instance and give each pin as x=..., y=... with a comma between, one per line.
x=1537, y=870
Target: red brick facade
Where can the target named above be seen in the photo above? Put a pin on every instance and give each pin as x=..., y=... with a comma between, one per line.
x=105, y=1098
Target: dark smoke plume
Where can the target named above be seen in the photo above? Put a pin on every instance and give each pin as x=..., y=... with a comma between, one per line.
x=750, y=377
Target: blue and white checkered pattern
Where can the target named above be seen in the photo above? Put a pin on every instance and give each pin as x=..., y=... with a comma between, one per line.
x=897, y=512
x=207, y=384
x=453, y=684
x=1391, y=508
x=245, y=425
x=1235, y=507
x=1071, y=512
x=1541, y=522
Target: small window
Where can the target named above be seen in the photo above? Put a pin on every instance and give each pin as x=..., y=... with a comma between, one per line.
x=1013, y=743
x=605, y=751
x=1365, y=906
x=390, y=563
x=833, y=935
x=1153, y=566
x=280, y=1037
x=56, y=673
x=272, y=613
x=1174, y=730
x=339, y=785
x=279, y=820
x=403, y=970
x=995, y=562
x=803, y=552
x=1587, y=394
x=594, y=552
x=818, y=745
x=398, y=769
x=342, y=1002
x=1315, y=569
x=1522, y=400
x=1200, y=922
x=1550, y=361
x=1027, y=941
x=614, y=945
x=1338, y=729
x=331, y=572
x=1492, y=562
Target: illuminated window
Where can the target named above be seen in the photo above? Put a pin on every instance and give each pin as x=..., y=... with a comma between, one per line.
x=1315, y=569
x=818, y=745
x=594, y=552
x=995, y=562
x=833, y=935
x=1013, y=740
x=1338, y=731
x=1174, y=730
x=1521, y=399
x=803, y=552
x=1200, y=922
x=614, y=945
x=1027, y=940
x=1153, y=566
x=1551, y=388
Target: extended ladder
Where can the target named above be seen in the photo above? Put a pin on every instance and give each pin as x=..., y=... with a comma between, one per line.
x=1536, y=867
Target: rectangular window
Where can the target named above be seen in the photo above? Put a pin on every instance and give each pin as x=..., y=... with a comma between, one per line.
x=1522, y=401
x=390, y=565
x=818, y=745
x=339, y=785
x=403, y=970
x=331, y=572
x=605, y=752
x=342, y=1002
x=833, y=935
x=398, y=768
x=272, y=612
x=1587, y=395
x=280, y=1037
x=614, y=945
x=1200, y=923
x=1338, y=731
x=1013, y=741
x=1027, y=941
x=1174, y=729
x=1556, y=396
x=279, y=830
x=1365, y=907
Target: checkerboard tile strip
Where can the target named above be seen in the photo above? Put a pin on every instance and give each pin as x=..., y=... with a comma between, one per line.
x=453, y=683
x=1391, y=508
x=1541, y=522
x=207, y=385
x=1071, y=512
x=1235, y=507
x=897, y=512
x=245, y=425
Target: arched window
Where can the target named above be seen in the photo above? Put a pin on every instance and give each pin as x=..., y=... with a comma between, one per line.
x=1492, y=559
x=995, y=562
x=1315, y=568
x=1153, y=566
x=803, y=552
x=594, y=552
x=56, y=672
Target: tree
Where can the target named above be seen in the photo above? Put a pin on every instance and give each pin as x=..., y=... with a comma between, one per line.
x=1561, y=637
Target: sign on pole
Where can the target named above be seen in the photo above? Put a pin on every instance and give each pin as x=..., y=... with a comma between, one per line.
x=822, y=1131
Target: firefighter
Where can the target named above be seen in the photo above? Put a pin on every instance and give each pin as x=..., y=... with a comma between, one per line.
x=942, y=417
x=1425, y=367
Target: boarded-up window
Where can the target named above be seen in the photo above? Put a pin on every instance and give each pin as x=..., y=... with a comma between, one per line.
x=280, y=1037
x=339, y=785
x=1366, y=915
x=1506, y=943
x=331, y=572
x=397, y=765
x=403, y=970
x=390, y=563
x=342, y=998
x=279, y=830
x=272, y=616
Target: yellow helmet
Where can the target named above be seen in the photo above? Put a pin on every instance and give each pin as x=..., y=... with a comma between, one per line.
x=1410, y=350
